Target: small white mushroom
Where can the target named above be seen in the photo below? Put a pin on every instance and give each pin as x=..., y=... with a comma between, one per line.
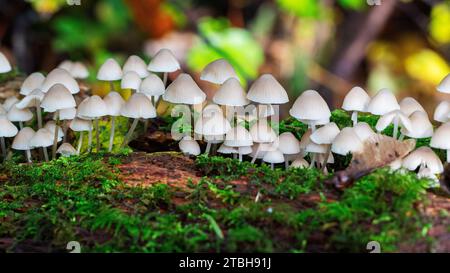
x=325, y=136
x=218, y=72
x=5, y=66
x=131, y=80
x=395, y=117
x=110, y=71
x=363, y=130
x=164, y=61
x=33, y=99
x=152, y=86
x=9, y=102
x=66, y=150
x=444, y=85
x=19, y=115
x=214, y=125
x=421, y=126
x=189, y=146
x=423, y=157
x=382, y=103
x=79, y=71
x=356, y=101
x=409, y=105
x=62, y=77
x=22, y=141
x=81, y=125
x=347, y=141
x=299, y=163
x=261, y=132
x=273, y=157
x=42, y=138
x=238, y=137
x=7, y=129
x=136, y=64
x=442, y=111
x=93, y=108
x=440, y=138
x=289, y=145
x=32, y=82
x=114, y=103
x=311, y=108
x=267, y=90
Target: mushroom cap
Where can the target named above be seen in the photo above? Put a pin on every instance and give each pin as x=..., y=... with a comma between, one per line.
x=299, y=163
x=238, y=137
x=66, y=149
x=189, y=146
x=33, y=99
x=224, y=149
x=79, y=125
x=305, y=140
x=218, y=72
x=245, y=150
x=409, y=105
x=390, y=117
x=261, y=132
x=7, y=128
x=66, y=114
x=267, y=90
x=423, y=156
x=441, y=112
x=79, y=71
x=421, y=126
x=363, y=130
x=10, y=102
x=383, y=102
x=441, y=136
x=347, y=141
x=50, y=126
x=214, y=139
x=214, y=125
x=288, y=144
x=92, y=107
x=136, y=64
x=22, y=140
x=356, y=99
x=5, y=66
x=152, y=85
x=312, y=147
x=42, y=138
x=184, y=90
x=2, y=110
x=310, y=106
x=325, y=134
x=138, y=106
x=428, y=174
x=66, y=65
x=444, y=85
x=32, y=82
x=58, y=97
x=60, y=76
x=231, y=93
x=211, y=109
x=114, y=103
x=130, y=80
x=275, y=156
x=15, y=114
x=109, y=71
x=163, y=61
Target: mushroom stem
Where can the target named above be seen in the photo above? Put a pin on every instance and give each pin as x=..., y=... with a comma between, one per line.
x=448, y=156
x=111, y=137
x=272, y=166
x=55, y=138
x=401, y=137
x=355, y=118
x=286, y=161
x=3, y=147
x=313, y=160
x=39, y=116
x=394, y=134
x=97, y=135
x=130, y=133
x=28, y=155
x=20, y=125
x=89, y=140
x=240, y=157
x=324, y=162
x=208, y=148
x=145, y=126
x=165, y=79
x=45, y=153
x=80, y=142
x=256, y=154
x=313, y=127
x=192, y=120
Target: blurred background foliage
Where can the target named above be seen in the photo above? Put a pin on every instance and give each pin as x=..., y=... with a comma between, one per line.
x=328, y=45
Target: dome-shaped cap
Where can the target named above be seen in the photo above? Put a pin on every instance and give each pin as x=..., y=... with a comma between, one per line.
x=79, y=71
x=7, y=128
x=66, y=149
x=299, y=163
x=138, y=106
x=32, y=82
x=66, y=114
x=10, y=102
x=33, y=99
x=245, y=150
x=214, y=125
x=364, y=131
x=409, y=105
x=218, y=72
x=423, y=156
x=441, y=112
x=50, y=126
x=92, y=108
x=66, y=65
x=22, y=140
x=267, y=90
x=136, y=64
x=79, y=125
x=5, y=66
x=238, y=137
x=383, y=102
x=288, y=144
x=58, y=97
x=211, y=109
x=130, y=80
x=347, y=141
x=274, y=157
x=421, y=126
x=152, y=86
x=42, y=138
x=261, y=132
x=310, y=106
x=184, y=90
x=114, y=103
x=444, y=86
x=356, y=99
x=224, y=149
x=189, y=146
x=60, y=76
x=441, y=136
x=163, y=61
x=325, y=134
x=231, y=93
x=15, y=114
x=109, y=71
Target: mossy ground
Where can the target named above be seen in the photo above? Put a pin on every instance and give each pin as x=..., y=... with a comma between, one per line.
x=217, y=205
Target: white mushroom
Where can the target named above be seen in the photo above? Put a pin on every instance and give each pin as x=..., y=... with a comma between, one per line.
x=114, y=103
x=136, y=64
x=131, y=80
x=163, y=61
x=79, y=71
x=382, y=103
x=60, y=76
x=325, y=136
x=110, y=71
x=218, y=72
x=311, y=108
x=440, y=138
x=33, y=99
x=19, y=115
x=356, y=101
x=152, y=86
x=214, y=125
x=7, y=129
x=289, y=145
x=189, y=146
x=421, y=126
x=273, y=157
x=81, y=125
x=22, y=142
x=395, y=117
x=347, y=141
x=363, y=130
x=93, y=108
x=299, y=163
x=442, y=111
x=423, y=157
x=5, y=66
x=66, y=150
x=409, y=105
x=444, y=85
x=32, y=82
x=238, y=137
x=261, y=132
x=42, y=138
